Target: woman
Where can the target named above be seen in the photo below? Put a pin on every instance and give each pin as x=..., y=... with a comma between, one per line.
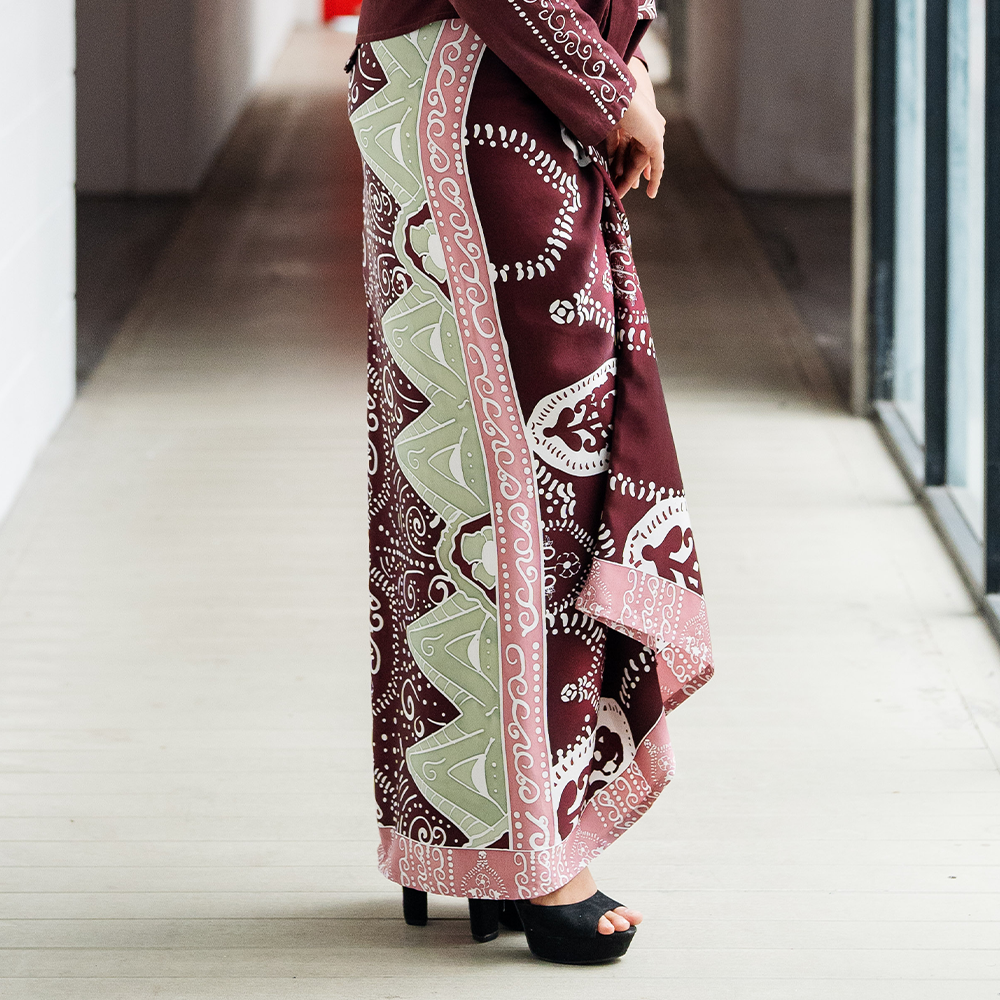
x=535, y=592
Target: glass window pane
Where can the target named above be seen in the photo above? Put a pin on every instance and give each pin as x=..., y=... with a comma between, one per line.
x=908, y=348
x=966, y=229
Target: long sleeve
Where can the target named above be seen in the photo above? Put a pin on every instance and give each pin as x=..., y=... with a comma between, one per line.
x=557, y=50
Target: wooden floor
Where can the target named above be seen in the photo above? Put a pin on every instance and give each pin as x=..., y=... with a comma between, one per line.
x=185, y=805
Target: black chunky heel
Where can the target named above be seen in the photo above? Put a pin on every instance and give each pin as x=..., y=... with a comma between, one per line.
x=484, y=919
x=414, y=907
x=568, y=934
x=484, y=914
x=509, y=916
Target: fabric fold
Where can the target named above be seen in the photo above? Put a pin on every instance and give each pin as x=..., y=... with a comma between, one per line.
x=645, y=578
x=662, y=615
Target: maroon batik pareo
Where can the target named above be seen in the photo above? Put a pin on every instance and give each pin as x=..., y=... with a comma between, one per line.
x=535, y=590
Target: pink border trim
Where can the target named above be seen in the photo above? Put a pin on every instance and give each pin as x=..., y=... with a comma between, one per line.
x=661, y=614
x=511, y=874
x=513, y=496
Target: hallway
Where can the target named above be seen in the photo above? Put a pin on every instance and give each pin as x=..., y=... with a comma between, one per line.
x=184, y=729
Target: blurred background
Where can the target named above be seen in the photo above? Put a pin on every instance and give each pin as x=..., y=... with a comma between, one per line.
x=185, y=806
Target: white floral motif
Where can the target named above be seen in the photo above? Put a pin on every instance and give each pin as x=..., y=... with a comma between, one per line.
x=582, y=689
x=562, y=311
x=585, y=308
x=568, y=565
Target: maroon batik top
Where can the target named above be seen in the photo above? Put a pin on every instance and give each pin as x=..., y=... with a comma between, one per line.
x=577, y=65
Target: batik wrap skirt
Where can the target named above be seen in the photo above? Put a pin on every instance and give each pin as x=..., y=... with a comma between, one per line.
x=535, y=593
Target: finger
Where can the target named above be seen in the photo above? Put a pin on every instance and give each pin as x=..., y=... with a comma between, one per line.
x=632, y=173
x=621, y=159
x=626, y=183
x=656, y=165
x=635, y=163
x=615, y=169
x=625, y=176
x=604, y=926
x=618, y=179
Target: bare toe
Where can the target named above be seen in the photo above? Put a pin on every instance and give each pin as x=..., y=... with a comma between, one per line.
x=634, y=917
x=604, y=926
x=620, y=923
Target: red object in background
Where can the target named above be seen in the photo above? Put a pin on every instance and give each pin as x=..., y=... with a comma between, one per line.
x=341, y=8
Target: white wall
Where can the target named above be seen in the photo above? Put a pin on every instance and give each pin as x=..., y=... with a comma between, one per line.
x=37, y=239
x=771, y=91
x=160, y=84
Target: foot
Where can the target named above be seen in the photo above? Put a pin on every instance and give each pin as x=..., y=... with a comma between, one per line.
x=583, y=887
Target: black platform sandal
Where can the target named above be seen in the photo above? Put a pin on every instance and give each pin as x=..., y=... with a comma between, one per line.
x=484, y=914
x=568, y=934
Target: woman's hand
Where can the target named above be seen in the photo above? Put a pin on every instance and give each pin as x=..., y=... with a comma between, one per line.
x=643, y=84
x=635, y=148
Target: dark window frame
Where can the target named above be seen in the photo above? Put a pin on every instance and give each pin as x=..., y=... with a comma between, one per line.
x=925, y=466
